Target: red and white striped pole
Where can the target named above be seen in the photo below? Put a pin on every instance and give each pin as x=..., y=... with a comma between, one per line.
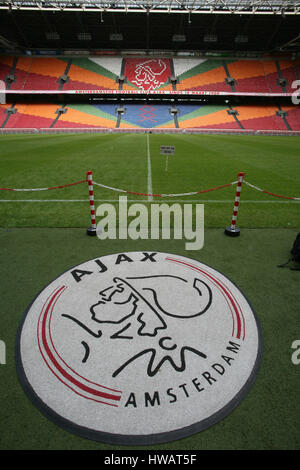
x=233, y=230
x=92, y=229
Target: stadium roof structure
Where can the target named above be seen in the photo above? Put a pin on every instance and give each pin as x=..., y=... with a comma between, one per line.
x=241, y=7
x=237, y=26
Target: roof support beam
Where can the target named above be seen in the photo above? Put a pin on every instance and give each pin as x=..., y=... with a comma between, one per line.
x=231, y=7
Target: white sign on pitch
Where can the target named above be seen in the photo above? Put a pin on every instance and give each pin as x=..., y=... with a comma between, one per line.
x=167, y=150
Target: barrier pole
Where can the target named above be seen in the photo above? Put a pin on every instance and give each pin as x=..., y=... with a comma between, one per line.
x=233, y=230
x=92, y=229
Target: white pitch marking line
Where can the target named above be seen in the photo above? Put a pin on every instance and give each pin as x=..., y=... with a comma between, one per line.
x=159, y=199
x=149, y=191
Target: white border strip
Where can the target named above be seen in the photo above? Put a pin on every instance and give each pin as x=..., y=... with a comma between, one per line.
x=199, y=201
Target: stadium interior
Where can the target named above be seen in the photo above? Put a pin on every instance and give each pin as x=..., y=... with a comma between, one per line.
x=111, y=110
x=149, y=65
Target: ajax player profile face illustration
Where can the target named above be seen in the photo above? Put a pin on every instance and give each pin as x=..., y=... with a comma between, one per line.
x=142, y=307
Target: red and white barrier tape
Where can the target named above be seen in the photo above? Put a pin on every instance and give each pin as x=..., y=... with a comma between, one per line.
x=164, y=195
x=43, y=189
x=91, y=183
x=154, y=195
x=271, y=194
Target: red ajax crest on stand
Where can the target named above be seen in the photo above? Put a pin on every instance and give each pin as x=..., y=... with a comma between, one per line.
x=147, y=74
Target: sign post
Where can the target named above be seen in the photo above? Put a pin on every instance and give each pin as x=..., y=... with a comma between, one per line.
x=167, y=150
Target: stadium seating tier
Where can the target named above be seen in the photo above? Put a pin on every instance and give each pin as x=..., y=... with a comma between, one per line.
x=250, y=117
x=149, y=74
x=260, y=76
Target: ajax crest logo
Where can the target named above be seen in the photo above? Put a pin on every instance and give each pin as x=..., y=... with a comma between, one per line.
x=138, y=348
x=140, y=307
x=148, y=75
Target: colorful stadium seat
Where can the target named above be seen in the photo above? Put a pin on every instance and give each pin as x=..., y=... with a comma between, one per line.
x=146, y=75
x=34, y=73
x=149, y=74
x=249, y=117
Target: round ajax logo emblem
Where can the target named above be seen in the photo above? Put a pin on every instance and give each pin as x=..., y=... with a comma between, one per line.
x=138, y=348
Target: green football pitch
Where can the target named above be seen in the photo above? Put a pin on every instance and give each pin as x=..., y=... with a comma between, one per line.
x=43, y=233
x=122, y=162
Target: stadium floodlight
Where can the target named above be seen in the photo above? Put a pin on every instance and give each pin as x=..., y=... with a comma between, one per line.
x=210, y=38
x=52, y=36
x=179, y=38
x=84, y=36
x=116, y=37
x=241, y=39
